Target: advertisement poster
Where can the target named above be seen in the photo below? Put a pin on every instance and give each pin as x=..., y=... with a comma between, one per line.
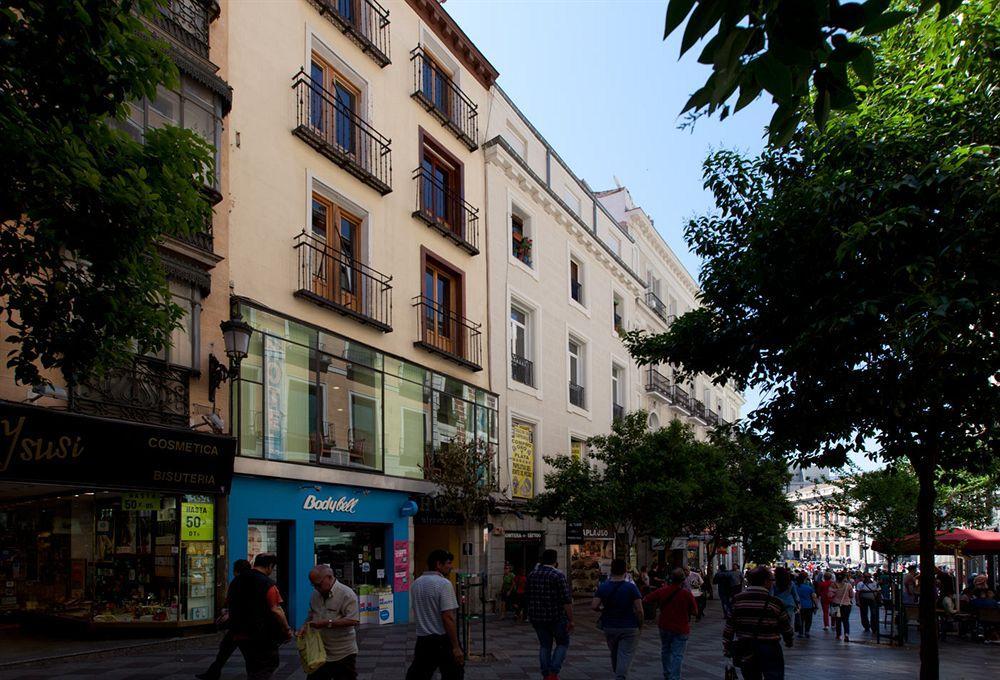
x=522, y=456
x=274, y=397
x=590, y=564
x=401, y=566
x=385, y=608
x=197, y=521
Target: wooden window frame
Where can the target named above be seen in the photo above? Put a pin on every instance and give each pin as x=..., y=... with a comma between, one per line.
x=456, y=182
x=331, y=78
x=428, y=259
x=331, y=288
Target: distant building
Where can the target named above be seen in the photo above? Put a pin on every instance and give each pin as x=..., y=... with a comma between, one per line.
x=814, y=535
x=804, y=476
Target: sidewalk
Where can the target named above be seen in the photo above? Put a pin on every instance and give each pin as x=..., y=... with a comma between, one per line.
x=385, y=649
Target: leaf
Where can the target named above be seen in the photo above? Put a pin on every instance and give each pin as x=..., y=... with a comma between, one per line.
x=884, y=22
x=846, y=51
x=677, y=11
x=849, y=16
x=821, y=108
x=699, y=99
x=864, y=66
x=774, y=76
x=705, y=16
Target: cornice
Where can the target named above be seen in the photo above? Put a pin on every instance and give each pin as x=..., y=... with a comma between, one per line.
x=449, y=32
x=667, y=255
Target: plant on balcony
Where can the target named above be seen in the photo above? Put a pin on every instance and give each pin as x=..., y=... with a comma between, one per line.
x=82, y=205
x=522, y=250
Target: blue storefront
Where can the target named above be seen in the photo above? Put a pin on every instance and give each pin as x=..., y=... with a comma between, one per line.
x=362, y=533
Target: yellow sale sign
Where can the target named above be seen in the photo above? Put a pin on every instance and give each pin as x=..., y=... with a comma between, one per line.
x=197, y=521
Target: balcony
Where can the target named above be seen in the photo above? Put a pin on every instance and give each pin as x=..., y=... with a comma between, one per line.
x=576, y=395
x=147, y=390
x=658, y=383
x=617, y=411
x=698, y=410
x=713, y=418
x=187, y=22
x=365, y=22
x=522, y=370
x=444, y=100
x=449, y=335
x=681, y=399
x=445, y=211
x=342, y=136
x=333, y=280
x=656, y=304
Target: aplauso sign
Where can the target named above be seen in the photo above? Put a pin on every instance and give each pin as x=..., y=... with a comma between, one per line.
x=45, y=445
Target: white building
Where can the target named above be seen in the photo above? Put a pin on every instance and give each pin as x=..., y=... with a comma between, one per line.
x=814, y=535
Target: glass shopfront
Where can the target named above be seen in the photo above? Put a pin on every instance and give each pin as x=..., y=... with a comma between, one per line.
x=101, y=557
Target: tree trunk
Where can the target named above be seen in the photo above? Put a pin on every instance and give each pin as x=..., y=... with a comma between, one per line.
x=925, y=524
x=713, y=547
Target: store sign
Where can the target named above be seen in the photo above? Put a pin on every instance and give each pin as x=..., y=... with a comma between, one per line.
x=577, y=532
x=522, y=457
x=140, y=502
x=331, y=504
x=197, y=521
x=44, y=445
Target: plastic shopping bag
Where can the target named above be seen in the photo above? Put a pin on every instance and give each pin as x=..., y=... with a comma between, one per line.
x=312, y=653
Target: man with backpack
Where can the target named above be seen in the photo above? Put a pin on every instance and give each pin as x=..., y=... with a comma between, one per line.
x=677, y=606
x=258, y=622
x=620, y=605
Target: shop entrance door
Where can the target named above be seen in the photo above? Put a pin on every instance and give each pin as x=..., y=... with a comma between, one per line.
x=355, y=552
x=272, y=537
x=523, y=552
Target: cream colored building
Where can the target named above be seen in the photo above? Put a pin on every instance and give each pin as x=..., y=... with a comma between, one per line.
x=814, y=536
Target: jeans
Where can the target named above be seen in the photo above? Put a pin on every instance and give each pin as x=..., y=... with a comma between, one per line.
x=726, y=599
x=701, y=600
x=341, y=669
x=869, y=613
x=826, y=614
x=804, y=621
x=621, y=644
x=261, y=658
x=226, y=648
x=844, y=620
x=433, y=652
x=672, y=653
x=768, y=663
x=549, y=633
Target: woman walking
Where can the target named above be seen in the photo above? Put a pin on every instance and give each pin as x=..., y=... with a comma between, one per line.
x=507, y=591
x=808, y=601
x=841, y=599
x=785, y=591
x=823, y=590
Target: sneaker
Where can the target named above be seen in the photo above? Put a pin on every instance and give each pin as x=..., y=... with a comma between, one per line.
x=847, y=639
x=825, y=628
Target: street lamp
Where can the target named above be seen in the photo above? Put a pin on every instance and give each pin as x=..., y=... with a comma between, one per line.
x=236, y=336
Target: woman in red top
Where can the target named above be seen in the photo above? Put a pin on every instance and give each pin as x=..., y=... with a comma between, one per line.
x=520, y=586
x=823, y=590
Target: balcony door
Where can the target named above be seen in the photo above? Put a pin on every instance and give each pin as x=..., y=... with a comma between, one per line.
x=439, y=188
x=334, y=265
x=436, y=85
x=334, y=111
x=441, y=290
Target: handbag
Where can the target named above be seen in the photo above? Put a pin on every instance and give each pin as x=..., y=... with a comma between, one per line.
x=312, y=653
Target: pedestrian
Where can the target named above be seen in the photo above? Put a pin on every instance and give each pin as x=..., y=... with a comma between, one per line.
x=620, y=605
x=869, y=598
x=677, y=606
x=753, y=633
x=434, y=609
x=643, y=581
x=910, y=591
x=227, y=645
x=808, y=601
x=785, y=591
x=841, y=599
x=550, y=610
x=507, y=590
x=823, y=590
x=737, y=578
x=521, y=588
x=694, y=582
x=724, y=581
x=258, y=622
x=334, y=612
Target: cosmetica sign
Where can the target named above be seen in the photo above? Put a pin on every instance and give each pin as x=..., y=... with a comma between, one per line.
x=331, y=504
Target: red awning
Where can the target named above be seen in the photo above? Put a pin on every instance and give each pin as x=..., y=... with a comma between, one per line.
x=969, y=541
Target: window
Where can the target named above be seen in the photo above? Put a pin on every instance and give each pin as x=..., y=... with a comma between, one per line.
x=618, y=313
x=440, y=188
x=577, y=447
x=340, y=116
x=333, y=263
x=576, y=374
x=520, y=348
x=442, y=290
x=520, y=241
x=654, y=422
x=435, y=83
x=576, y=280
x=617, y=391
x=183, y=348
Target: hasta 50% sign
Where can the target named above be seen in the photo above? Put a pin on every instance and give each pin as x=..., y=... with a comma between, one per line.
x=197, y=521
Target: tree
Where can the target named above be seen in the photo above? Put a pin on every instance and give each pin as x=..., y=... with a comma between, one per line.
x=853, y=274
x=82, y=205
x=798, y=51
x=465, y=473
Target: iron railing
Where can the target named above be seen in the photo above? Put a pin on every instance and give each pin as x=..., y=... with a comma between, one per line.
x=147, y=390
x=187, y=21
x=340, y=134
x=446, y=333
x=576, y=395
x=522, y=370
x=713, y=417
x=656, y=304
x=337, y=281
x=445, y=211
x=658, y=383
x=681, y=398
x=617, y=411
x=698, y=410
x=363, y=21
x=443, y=99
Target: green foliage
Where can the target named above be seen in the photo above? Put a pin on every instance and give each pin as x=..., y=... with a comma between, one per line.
x=82, y=205
x=796, y=50
x=465, y=475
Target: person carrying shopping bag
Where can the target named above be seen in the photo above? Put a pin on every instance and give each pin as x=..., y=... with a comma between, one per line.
x=841, y=601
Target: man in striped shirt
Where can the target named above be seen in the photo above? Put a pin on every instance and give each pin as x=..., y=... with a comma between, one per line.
x=761, y=621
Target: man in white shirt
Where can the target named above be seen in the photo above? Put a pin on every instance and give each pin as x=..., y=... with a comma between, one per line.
x=333, y=611
x=434, y=608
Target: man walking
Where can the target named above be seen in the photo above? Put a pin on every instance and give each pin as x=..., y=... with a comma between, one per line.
x=259, y=624
x=753, y=633
x=724, y=580
x=620, y=605
x=677, y=606
x=434, y=608
x=550, y=609
x=227, y=645
x=333, y=611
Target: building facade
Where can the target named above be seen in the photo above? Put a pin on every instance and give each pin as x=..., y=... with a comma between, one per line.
x=814, y=536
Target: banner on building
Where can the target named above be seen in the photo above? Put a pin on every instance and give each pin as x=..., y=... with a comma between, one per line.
x=522, y=460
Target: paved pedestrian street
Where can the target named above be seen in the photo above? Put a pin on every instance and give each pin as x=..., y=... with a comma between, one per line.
x=384, y=655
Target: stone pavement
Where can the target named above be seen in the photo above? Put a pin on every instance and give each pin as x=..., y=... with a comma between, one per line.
x=384, y=653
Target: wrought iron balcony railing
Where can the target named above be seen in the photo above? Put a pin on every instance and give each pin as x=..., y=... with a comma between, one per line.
x=340, y=134
x=187, y=21
x=147, y=390
x=617, y=411
x=449, y=335
x=522, y=370
x=337, y=281
x=363, y=21
x=698, y=410
x=713, y=417
x=658, y=383
x=443, y=99
x=576, y=395
x=656, y=304
x=445, y=211
x=681, y=399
